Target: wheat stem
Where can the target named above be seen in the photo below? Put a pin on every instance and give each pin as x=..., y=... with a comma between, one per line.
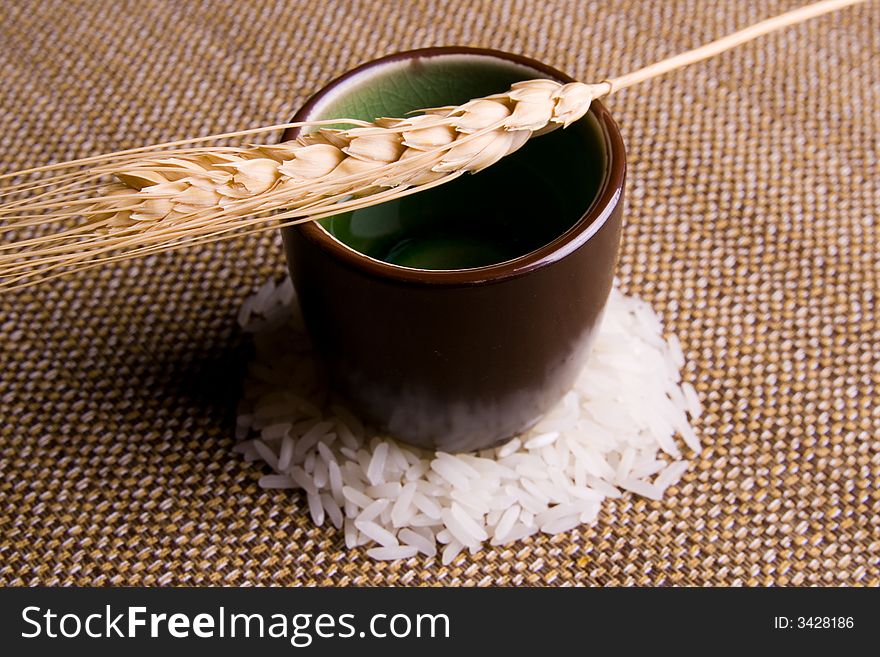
x=179, y=142
x=183, y=192
x=713, y=48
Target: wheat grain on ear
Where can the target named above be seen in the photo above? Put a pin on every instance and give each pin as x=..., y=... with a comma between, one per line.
x=184, y=193
x=207, y=192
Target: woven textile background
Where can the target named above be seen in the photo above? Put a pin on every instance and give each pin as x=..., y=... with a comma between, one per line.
x=752, y=225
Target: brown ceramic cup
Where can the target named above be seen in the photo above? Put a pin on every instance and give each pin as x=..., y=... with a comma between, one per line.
x=463, y=359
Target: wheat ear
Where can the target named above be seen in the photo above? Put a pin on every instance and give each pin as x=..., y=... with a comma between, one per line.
x=185, y=193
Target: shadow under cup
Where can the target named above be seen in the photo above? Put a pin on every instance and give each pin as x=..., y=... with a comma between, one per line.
x=455, y=317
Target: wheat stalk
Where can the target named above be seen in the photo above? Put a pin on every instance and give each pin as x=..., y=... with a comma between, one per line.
x=184, y=193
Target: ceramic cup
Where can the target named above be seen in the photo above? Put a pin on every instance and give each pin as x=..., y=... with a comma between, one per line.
x=463, y=359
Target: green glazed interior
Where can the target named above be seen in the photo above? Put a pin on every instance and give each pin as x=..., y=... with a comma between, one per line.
x=520, y=204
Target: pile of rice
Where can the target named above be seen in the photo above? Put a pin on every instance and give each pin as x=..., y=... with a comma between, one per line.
x=615, y=431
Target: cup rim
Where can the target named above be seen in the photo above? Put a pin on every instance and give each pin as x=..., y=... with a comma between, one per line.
x=589, y=223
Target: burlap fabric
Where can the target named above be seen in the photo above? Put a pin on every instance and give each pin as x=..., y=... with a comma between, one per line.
x=752, y=225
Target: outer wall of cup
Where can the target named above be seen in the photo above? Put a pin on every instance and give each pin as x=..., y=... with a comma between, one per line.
x=460, y=360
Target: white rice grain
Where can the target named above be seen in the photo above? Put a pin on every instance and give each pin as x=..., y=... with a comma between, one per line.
x=266, y=453
x=450, y=552
x=303, y=480
x=275, y=431
x=426, y=505
x=316, y=509
x=276, y=481
x=372, y=510
x=690, y=438
x=417, y=471
x=332, y=509
x=356, y=497
x=642, y=488
x=692, y=401
x=560, y=525
x=675, y=352
x=509, y=448
x=468, y=522
x=325, y=452
x=382, y=536
x=319, y=473
x=420, y=520
x=377, y=464
x=450, y=473
x=392, y=553
x=403, y=508
x=671, y=475
x=542, y=440
x=423, y=544
x=350, y=533
x=310, y=439
x=602, y=487
x=505, y=524
x=285, y=453
x=627, y=458
x=335, y=477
